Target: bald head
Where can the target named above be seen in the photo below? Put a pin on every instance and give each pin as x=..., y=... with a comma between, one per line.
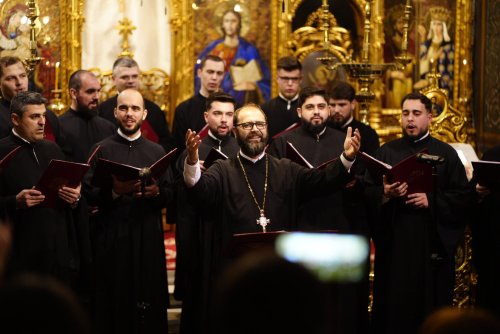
x=130, y=112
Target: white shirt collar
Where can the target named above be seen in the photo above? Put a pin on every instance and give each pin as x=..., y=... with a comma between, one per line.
x=254, y=160
x=19, y=136
x=289, y=100
x=137, y=135
x=423, y=137
x=346, y=124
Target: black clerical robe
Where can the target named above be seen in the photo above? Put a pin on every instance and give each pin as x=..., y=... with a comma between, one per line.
x=224, y=195
x=188, y=115
x=194, y=235
x=486, y=240
x=129, y=247
x=52, y=128
x=52, y=241
x=82, y=131
x=323, y=213
x=154, y=127
x=280, y=114
x=408, y=284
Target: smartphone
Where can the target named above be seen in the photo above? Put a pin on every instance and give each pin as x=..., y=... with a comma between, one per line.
x=332, y=257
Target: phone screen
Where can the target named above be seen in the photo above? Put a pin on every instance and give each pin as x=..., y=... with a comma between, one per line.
x=332, y=257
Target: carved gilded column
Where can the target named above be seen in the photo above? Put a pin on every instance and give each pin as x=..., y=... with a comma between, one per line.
x=72, y=20
x=182, y=78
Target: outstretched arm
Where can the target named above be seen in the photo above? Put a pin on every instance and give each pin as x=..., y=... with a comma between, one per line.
x=192, y=170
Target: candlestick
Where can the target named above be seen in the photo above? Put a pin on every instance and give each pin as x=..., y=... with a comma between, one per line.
x=56, y=85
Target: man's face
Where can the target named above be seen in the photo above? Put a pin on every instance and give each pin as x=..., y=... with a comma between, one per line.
x=220, y=118
x=31, y=125
x=415, y=119
x=253, y=140
x=289, y=82
x=314, y=113
x=211, y=76
x=341, y=110
x=126, y=77
x=87, y=97
x=13, y=81
x=130, y=112
x=230, y=24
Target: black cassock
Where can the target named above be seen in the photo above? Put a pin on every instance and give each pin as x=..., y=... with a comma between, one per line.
x=223, y=194
x=193, y=235
x=52, y=241
x=154, y=127
x=129, y=247
x=324, y=213
x=408, y=284
x=188, y=115
x=82, y=131
x=280, y=114
x=485, y=227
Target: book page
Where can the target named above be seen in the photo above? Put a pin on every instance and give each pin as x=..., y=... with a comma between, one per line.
x=250, y=72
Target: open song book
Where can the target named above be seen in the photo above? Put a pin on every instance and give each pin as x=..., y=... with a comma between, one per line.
x=212, y=156
x=8, y=157
x=61, y=173
x=487, y=173
x=106, y=168
x=416, y=174
x=293, y=154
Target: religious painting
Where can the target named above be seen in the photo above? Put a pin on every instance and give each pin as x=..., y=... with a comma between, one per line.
x=15, y=38
x=238, y=32
x=431, y=45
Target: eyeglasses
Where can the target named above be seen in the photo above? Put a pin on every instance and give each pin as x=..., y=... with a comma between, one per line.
x=250, y=125
x=288, y=79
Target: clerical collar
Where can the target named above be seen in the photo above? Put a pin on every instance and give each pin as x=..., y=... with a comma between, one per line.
x=134, y=138
x=422, y=138
x=346, y=124
x=203, y=95
x=218, y=140
x=19, y=136
x=319, y=134
x=254, y=160
x=289, y=102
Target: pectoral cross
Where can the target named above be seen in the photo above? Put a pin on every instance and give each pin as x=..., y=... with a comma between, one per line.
x=263, y=221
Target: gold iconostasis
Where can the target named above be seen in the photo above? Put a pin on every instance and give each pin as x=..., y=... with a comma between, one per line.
x=440, y=41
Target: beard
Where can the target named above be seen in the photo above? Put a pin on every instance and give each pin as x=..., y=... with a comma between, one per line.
x=85, y=111
x=252, y=149
x=132, y=131
x=313, y=128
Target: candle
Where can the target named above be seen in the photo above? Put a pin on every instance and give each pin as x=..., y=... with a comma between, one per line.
x=57, y=76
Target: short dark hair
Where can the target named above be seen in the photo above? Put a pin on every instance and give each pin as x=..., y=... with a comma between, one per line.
x=220, y=97
x=289, y=63
x=124, y=62
x=246, y=106
x=342, y=91
x=8, y=61
x=212, y=58
x=23, y=99
x=309, y=91
x=418, y=96
x=75, y=79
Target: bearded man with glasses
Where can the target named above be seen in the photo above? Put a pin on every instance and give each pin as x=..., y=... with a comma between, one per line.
x=255, y=192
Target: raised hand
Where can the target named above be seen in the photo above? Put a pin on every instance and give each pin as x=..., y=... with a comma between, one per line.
x=352, y=143
x=193, y=141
